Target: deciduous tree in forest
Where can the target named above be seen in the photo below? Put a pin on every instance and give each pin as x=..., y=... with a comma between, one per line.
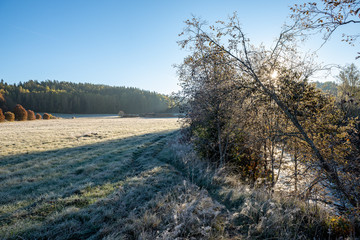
x=349, y=91
x=2, y=101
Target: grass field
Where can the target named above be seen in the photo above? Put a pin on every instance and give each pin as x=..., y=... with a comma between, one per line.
x=39, y=136
x=113, y=178
x=100, y=178
x=80, y=178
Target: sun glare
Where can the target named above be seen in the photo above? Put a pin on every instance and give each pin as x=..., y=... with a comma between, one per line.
x=274, y=74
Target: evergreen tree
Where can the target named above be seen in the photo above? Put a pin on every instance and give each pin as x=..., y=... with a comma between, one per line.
x=66, y=97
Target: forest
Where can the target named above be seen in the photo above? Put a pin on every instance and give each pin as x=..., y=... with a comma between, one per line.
x=67, y=97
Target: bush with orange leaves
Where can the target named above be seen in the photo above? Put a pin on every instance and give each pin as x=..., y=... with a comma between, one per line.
x=9, y=116
x=46, y=116
x=340, y=227
x=20, y=113
x=30, y=115
x=2, y=117
x=38, y=116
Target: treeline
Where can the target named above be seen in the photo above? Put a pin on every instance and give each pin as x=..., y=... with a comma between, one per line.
x=66, y=97
x=328, y=87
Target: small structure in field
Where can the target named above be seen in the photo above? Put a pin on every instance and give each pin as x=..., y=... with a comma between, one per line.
x=121, y=114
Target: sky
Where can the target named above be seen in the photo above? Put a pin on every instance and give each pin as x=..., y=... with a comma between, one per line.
x=128, y=43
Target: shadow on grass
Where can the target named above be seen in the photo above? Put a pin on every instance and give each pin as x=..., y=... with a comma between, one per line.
x=73, y=192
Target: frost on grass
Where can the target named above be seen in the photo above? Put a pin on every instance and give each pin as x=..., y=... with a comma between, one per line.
x=183, y=212
x=131, y=179
x=51, y=180
x=38, y=136
x=99, y=178
x=252, y=213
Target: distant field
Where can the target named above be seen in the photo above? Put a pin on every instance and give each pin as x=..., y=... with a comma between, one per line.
x=44, y=135
x=69, y=115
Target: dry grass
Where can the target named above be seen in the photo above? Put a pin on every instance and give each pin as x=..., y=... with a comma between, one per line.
x=99, y=179
x=255, y=213
x=38, y=136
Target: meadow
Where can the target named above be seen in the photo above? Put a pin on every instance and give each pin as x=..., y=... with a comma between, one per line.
x=118, y=178
x=76, y=178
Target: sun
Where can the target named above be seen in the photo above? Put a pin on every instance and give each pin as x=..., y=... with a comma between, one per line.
x=274, y=74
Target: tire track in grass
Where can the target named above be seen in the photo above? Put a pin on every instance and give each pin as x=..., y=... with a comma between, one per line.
x=52, y=157
x=49, y=173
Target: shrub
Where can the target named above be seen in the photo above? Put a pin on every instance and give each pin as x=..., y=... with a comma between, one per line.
x=31, y=115
x=20, y=113
x=46, y=116
x=9, y=116
x=340, y=226
x=38, y=116
x=2, y=117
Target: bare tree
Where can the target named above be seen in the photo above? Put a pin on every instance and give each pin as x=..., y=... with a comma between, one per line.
x=326, y=16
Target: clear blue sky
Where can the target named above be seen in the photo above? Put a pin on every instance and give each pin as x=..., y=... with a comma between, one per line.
x=124, y=43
